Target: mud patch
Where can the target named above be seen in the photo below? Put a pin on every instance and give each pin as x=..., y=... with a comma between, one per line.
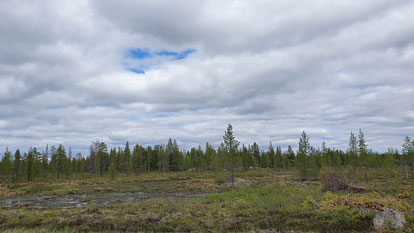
x=82, y=200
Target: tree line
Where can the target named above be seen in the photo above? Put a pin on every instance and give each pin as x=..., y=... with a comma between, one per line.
x=57, y=162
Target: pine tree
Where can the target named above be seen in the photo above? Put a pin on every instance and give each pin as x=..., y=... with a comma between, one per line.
x=290, y=154
x=255, y=154
x=127, y=159
x=16, y=166
x=209, y=155
x=353, y=150
x=45, y=161
x=173, y=158
x=6, y=163
x=137, y=155
x=60, y=160
x=245, y=158
x=68, y=164
x=113, y=165
x=231, y=146
x=303, y=153
x=362, y=150
x=389, y=162
x=29, y=165
x=408, y=156
x=271, y=154
x=278, y=158
x=163, y=161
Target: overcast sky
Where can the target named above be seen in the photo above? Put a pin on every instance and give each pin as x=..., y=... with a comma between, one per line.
x=73, y=72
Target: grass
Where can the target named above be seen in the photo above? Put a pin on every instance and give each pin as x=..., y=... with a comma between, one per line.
x=277, y=200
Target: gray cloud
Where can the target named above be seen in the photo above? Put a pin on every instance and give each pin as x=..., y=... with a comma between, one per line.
x=271, y=68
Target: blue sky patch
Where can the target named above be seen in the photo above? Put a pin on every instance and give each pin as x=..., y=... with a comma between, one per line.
x=139, y=60
x=139, y=54
x=161, y=115
x=137, y=70
x=175, y=55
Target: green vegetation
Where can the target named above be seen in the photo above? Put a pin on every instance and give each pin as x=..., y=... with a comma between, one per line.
x=101, y=161
x=194, y=191
x=277, y=200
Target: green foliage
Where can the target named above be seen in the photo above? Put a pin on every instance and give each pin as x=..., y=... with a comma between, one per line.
x=16, y=166
x=302, y=156
x=357, y=161
x=270, y=198
x=277, y=201
x=221, y=177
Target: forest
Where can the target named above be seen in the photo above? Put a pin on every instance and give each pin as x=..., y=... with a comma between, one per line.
x=134, y=159
x=232, y=188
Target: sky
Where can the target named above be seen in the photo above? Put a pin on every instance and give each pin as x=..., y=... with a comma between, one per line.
x=73, y=72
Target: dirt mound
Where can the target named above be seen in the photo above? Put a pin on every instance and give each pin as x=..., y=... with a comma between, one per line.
x=331, y=182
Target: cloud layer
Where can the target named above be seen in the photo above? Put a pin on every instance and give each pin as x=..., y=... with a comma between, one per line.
x=271, y=68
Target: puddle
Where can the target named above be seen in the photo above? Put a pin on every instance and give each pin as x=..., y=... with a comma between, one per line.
x=81, y=200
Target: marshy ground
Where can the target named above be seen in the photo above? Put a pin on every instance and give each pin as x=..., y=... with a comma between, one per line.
x=268, y=200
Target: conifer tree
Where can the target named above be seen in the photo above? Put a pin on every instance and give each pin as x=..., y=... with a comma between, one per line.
x=16, y=166
x=245, y=158
x=353, y=150
x=209, y=155
x=290, y=154
x=29, y=165
x=173, y=158
x=302, y=156
x=137, y=155
x=113, y=165
x=231, y=146
x=271, y=154
x=60, y=160
x=278, y=158
x=408, y=156
x=6, y=163
x=127, y=159
x=362, y=150
x=255, y=154
x=45, y=161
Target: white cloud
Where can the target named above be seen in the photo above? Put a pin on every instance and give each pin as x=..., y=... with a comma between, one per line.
x=271, y=68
